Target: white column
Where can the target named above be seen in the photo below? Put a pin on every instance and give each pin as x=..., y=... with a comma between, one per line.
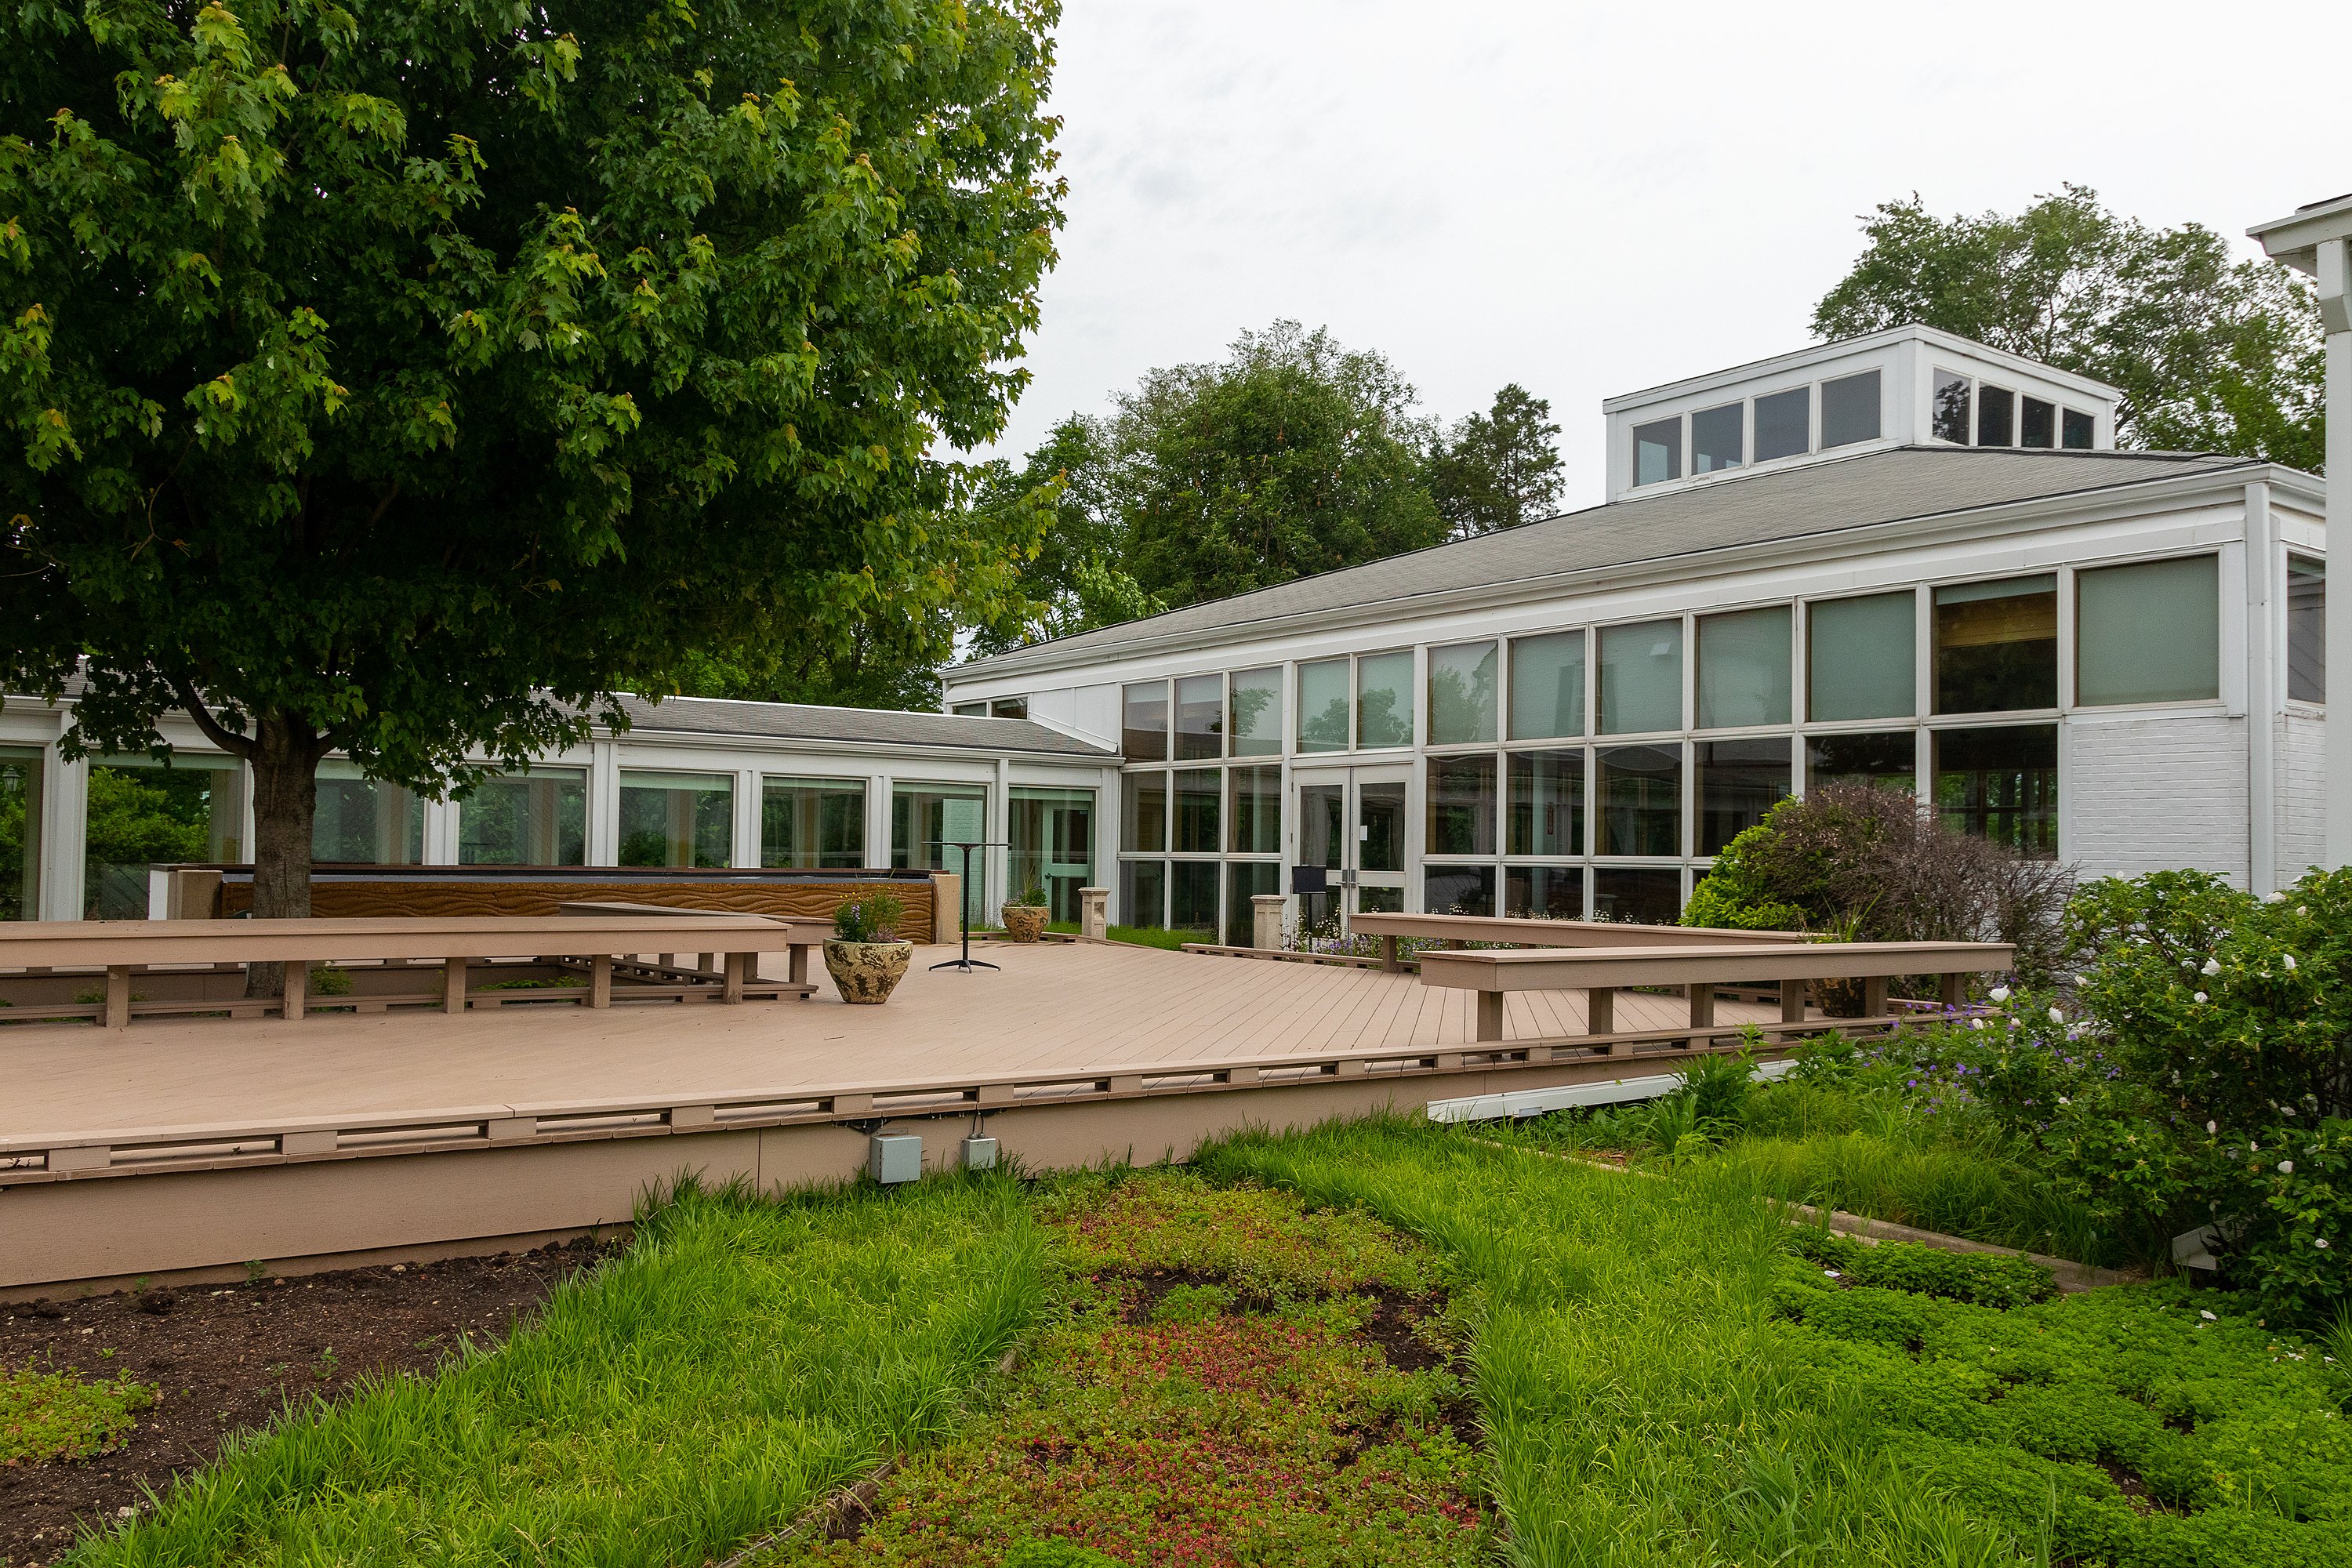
x=2336, y=314
x=64, y=818
x=877, y=821
x=1000, y=860
x=2264, y=650
x=747, y=817
x=604, y=804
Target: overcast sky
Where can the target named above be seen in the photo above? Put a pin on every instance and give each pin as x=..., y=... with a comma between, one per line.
x=1589, y=199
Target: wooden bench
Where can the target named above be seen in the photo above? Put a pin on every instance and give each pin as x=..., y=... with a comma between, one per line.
x=1600, y=972
x=120, y=947
x=803, y=935
x=1452, y=929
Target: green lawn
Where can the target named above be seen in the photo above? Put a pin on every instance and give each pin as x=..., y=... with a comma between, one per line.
x=1143, y=936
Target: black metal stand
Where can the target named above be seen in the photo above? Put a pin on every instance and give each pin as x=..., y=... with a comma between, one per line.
x=967, y=964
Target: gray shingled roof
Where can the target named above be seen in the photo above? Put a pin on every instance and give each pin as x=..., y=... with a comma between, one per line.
x=801, y=722
x=1888, y=485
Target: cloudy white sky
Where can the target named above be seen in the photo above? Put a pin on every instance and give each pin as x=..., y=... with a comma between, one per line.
x=1587, y=198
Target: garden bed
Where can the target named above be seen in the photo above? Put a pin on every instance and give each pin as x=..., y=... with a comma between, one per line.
x=193, y=1366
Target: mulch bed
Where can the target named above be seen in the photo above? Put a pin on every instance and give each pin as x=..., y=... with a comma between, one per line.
x=228, y=1358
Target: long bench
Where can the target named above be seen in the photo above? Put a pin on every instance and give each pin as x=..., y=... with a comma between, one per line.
x=1527, y=932
x=121, y=948
x=1600, y=972
x=804, y=936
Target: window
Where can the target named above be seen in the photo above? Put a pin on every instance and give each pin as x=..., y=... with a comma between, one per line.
x=1199, y=717
x=2001, y=784
x=1143, y=726
x=1861, y=658
x=676, y=820
x=362, y=821
x=1245, y=879
x=143, y=814
x=1640, y=811
x=1743, y=668
x=1323, y=706
x=1458, y=890
x=1642, y=677
x=1889, y=761
x=926, y=818
x=1545, y=805
x=1850, y=410
x=538, y=819
x=20, y=833
x=1052, y=836
x=1143, y=893
x=1997, y=646
x=1544, y=893
x=1256, y=722
x=1738, y=781
x=1996, y=414
x=1380, y=817
x=2037, y=423
x=1784, y=424
x=1949, y=414
x=1462, y=694
x=1547, y=686
x=1253, y=797
x=1645, y=897
x=812, y=823
x=1195, y=816
x=2080, y=431
x=1658, y=451
x=970, y=710
x=1461, y=805
x=2149, y=632
x=2306, y=628
x=1143, y=814
x=1009, y=707
x=1718, y=440
x=1384, y=699
x=1193, y=897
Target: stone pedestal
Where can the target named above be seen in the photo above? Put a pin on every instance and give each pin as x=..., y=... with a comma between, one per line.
x=1094, y=914
x=1265, y=918
x=947, y=906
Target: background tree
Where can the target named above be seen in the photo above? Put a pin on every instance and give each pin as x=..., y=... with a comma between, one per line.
x=392, y=379
x=1078, y=579
x=2210, y=353
x=1499, y=468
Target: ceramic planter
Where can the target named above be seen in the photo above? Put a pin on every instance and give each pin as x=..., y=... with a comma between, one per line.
x=865, y=973
x=1026, y=922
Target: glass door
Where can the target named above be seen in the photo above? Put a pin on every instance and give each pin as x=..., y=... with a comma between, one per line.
x=1351, y=826
x=1379, y=820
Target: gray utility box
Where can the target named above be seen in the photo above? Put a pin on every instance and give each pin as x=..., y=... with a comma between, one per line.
x=979, y=1153
x=893, y=1157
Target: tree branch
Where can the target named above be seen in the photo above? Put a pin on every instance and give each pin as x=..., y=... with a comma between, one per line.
x=227, y=740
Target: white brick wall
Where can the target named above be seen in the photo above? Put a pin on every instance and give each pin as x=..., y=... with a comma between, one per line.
x=2150, y=794
x=2302, y=796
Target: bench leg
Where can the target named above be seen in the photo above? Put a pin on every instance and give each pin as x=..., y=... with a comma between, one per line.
x=453, y=985
x=600, y=980
x=731, y=984
x=1953, y=989
x=1388, y=965
x=1873, y=996
x=798, y=969
x=1702, y=1006
x=297, y=992
x=1792, y=1001
x=1601, y=1011
x=118, y=996
x=1490, y=1014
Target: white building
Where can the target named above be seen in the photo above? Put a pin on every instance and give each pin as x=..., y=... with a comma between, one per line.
x=1904, y=557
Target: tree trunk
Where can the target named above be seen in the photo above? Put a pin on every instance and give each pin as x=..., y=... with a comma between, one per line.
x=285, y=799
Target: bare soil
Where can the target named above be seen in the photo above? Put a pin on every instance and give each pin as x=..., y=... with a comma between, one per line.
x=223, y=1358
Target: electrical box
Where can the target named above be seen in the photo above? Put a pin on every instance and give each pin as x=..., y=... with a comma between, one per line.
x=979, y=1153
x=894, y=1157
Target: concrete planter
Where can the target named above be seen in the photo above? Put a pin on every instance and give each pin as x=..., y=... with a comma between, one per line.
x=1026, y=922
x=865, y=972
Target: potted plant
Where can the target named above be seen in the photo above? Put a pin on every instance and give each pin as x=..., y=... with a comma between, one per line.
x=865, y=956
x=1026, y=914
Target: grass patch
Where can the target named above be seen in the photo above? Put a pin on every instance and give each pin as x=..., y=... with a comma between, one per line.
x=1666, y=1381
x=1142, y=936
x=46, y=1415
x=742, y=1359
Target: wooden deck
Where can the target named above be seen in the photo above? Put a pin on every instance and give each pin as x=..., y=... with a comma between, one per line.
x=1051, y=1007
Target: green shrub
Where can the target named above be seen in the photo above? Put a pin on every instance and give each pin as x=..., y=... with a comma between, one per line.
x=1055, y=1553
x=1985, y=1278
x=50, y=1414
x=1032, y=897
x=873, y=917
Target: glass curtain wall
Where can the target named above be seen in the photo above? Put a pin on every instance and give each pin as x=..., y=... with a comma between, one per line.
x=362, y=821
x=927, y=817
x=142, y=814
x=1642, y=677
x=1462, y=691
x=1997, y=646
x=1053, y=839
x=1384, y=699
x=20, y=833
x=2001, y=783
x=676, y=820
x=1255, y=722
x=2148, y=632
x=812, y=823
x=538, y=819
x=2306, y=628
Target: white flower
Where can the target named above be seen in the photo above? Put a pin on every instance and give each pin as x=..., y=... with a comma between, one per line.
x=1833, y=1274
x=1976, y=1023
x=2207, y=1316
x=2253, y=1147
x=2064, y=1100
x=2082, y=980
x=2212, y=966
x=2273, y=898
x=2289, y=961
x=2212, y=1127
x=2056, y=1016
x=2001, y=993
x=2319, y=1241
x=2201, y=996
x=2286, y=1167
x=2303, y=908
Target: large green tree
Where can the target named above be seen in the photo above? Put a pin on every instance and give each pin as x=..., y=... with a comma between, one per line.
x=393, y=378
x=1500, y=468
x=2211, y=353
